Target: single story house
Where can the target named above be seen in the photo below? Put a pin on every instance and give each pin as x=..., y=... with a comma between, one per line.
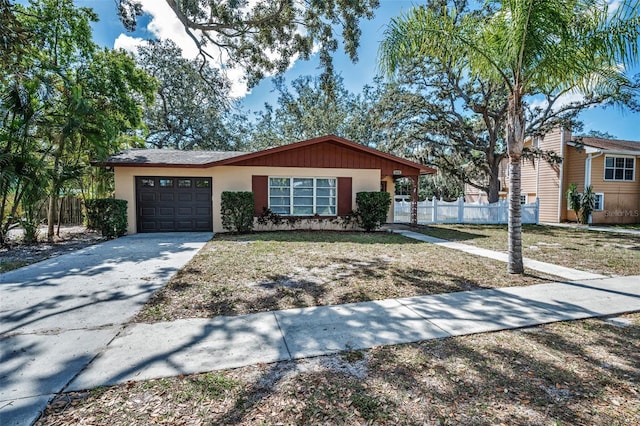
x=170, y=190
x=609, y=166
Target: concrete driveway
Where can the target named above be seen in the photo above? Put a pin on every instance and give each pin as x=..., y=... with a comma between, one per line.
x=58, y=315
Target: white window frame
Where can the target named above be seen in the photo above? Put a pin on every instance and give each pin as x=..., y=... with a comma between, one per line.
x=523, y=199
x=633, y=173
x=601, y=196
x=315, y=195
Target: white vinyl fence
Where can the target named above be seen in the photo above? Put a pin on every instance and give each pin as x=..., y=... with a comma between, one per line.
x=437, y=211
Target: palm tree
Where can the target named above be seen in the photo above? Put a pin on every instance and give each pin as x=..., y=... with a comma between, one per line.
x=530, y=46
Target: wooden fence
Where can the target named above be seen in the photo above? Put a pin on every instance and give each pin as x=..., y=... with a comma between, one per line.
x=72, y=210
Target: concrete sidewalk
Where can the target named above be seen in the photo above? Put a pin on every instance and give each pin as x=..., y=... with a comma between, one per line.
x=57, y=315
x=547, y=268
x=144, y=351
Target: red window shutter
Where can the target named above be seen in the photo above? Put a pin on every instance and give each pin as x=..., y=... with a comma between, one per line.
x=344, y=196
x=260, y=189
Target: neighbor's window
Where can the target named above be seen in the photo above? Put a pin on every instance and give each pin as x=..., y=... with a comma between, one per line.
x=523, y=199
x=599, y=202
x=303, y=196
x=619, y=168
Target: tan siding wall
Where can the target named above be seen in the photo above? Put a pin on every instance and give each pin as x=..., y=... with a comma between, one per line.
x=574, y=169
x=232, y=178
x=621, y=199
x=541, y=179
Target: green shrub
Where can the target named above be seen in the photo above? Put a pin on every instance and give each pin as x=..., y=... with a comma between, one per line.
x=582, y=204
x=107, y=215
x=237, y=211
x=372, y=209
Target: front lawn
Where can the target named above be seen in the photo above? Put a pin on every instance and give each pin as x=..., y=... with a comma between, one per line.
x=573, y=373
x=600, y=252
x=279, y=270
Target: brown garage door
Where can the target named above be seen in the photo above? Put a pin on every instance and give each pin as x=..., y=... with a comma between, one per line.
x=173, y=204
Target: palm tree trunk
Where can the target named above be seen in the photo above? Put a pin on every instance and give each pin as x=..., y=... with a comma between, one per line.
x=515, y=143
x=515, y=264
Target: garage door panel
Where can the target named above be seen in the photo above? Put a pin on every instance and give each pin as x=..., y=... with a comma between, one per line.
x=167, y=226
x=147, y=226
x=186, y=225
x=166, y=211
x=168, y=204
x=184, y=211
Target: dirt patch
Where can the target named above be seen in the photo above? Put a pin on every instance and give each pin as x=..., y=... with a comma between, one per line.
x=72, y=238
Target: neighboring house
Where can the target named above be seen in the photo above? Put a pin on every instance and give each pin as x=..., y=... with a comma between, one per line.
x=475, y=195
x=609, y=166
x=170, y=190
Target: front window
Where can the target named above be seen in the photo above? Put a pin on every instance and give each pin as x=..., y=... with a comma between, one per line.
x=303, y=196
x=619, y=168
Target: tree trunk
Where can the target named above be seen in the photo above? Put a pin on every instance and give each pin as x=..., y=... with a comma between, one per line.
x=51, y=214
x=515, y=264
x=55, y=188
x=515, y=143
x=493, y=193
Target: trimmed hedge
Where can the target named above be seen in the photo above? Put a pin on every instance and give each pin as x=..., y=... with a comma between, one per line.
x=372, y=209
x=236, y=208
x=107, y=215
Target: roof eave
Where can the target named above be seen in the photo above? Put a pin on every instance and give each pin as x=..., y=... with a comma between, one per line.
x=596, y=150
x=160, y=165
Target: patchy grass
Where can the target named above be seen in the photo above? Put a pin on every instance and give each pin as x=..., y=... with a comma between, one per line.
x=270, y=271
x=579, y=373
x=600, y=252
x=10, y=265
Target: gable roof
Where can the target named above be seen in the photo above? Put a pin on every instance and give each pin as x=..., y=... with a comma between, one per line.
x=337, y=153
x=612, y=145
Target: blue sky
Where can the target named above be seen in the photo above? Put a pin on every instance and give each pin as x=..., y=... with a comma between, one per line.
x=623, y=124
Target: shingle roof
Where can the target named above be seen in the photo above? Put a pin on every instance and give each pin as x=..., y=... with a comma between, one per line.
x=609, y=144
x=168, y=157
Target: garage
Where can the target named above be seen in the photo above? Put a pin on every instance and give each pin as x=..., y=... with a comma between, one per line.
x=173, y=204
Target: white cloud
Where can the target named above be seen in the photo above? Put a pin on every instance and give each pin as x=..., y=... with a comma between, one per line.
x=128, y=43
x=165, y=25
x=563, y=100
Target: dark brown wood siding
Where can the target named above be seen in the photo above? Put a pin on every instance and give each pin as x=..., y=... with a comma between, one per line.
x=330, y=155
x=260, y=189
x=345, y=196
